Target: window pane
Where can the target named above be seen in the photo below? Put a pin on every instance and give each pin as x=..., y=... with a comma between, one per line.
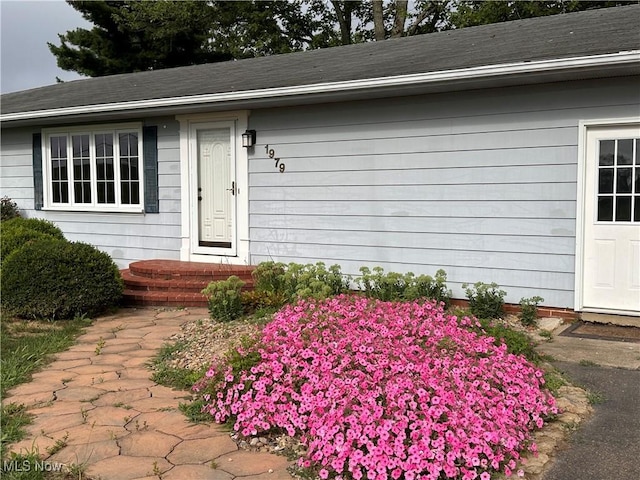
x=124, y=169
x=637, y=180
x=59, y=173
x=110, y=174
x=58, y=147
x=605, y=180
x=636, y=209
x=135, y=193
x=606, y=152
x=57, y=196
x=104, y=165
x=102, y=192
x=80, y=145
x=100, y=169
x=55, y=169
x=77, y=192
x=82, y=192
x=623, y=209
x=104, y=145
x=81, y=169
x=605, y=209
x=106, y=192
x=77, y=171
x=625, y=152
x=133, y=164
x=623, y=182
x=637, y=151
x=124, y=196
x=128, y=144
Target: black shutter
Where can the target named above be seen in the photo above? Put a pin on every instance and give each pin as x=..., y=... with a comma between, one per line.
x=150, y=160
x=38, y=195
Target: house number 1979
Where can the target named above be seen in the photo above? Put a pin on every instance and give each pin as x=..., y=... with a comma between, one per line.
x=272, y=154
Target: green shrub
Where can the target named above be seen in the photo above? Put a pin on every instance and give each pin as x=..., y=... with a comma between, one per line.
x=529, y=310
x=277, y=283
x=486, y=300
x=18, y=237
x=386, y=287
x=52, y=278
x=433, y=288
x=19, y=231
x=268, y=277
x=314, y=281
x=8, y=209
x=37, y=224
x=225, y=299
x=394, y=286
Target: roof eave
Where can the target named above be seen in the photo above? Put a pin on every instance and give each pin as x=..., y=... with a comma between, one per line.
x=473, y=77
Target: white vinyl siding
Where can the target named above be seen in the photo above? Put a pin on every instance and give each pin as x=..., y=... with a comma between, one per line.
x=479, y=183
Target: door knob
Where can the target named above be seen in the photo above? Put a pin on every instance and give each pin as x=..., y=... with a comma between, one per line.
x=232, y=189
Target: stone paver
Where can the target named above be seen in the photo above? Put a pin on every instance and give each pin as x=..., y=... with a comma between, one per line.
x=55, y=409
x=79, y=393
x=148, y=444
x=197, y=472
x=119, y=424
x=107, y=415
x=86, y=453
x=128, y=468
x=243, y=463
x=202, y=450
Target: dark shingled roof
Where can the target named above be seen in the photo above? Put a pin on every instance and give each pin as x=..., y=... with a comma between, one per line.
x=593, y=32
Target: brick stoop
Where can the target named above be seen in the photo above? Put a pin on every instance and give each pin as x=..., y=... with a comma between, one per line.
x=175, y=283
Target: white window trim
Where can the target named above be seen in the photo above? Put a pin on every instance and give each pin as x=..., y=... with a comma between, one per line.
x=94, y=206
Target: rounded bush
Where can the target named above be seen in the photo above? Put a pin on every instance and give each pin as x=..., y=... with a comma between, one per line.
x=37, y=224
x=18, y=237
x=52, y=278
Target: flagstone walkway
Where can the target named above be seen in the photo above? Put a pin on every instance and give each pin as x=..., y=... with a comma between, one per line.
x=96, y=407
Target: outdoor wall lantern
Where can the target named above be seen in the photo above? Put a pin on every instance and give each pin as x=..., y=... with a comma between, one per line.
x=249, y=138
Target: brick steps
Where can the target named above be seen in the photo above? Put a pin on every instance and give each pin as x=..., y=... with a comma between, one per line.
x=175, y=283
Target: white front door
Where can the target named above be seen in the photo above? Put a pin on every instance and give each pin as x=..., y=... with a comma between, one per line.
x=611, y=248
x=215, y=187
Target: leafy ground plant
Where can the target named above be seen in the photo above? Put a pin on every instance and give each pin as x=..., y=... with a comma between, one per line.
x=486, y=300
x=383, y=390
x=529, y=310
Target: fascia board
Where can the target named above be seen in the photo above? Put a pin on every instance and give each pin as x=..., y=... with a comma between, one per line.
x=399, y=81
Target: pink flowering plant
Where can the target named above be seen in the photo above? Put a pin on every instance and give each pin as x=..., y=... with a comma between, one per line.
x=383, y=390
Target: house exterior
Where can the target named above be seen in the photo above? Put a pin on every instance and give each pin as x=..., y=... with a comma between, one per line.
x=505, y=153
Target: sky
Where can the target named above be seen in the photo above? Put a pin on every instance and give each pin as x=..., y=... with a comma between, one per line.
x=25, y=28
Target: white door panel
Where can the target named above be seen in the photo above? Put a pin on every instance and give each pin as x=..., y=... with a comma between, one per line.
x=214, y=221
x=611, y=250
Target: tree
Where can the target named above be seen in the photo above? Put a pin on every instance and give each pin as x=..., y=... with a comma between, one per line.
x=130, y=36
x=134, y=36
x=470, y=13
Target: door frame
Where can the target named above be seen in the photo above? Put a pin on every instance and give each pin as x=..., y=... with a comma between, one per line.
x=583, y=127
x=190, y=249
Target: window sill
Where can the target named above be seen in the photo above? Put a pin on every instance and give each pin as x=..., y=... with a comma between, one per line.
x=76, y=209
